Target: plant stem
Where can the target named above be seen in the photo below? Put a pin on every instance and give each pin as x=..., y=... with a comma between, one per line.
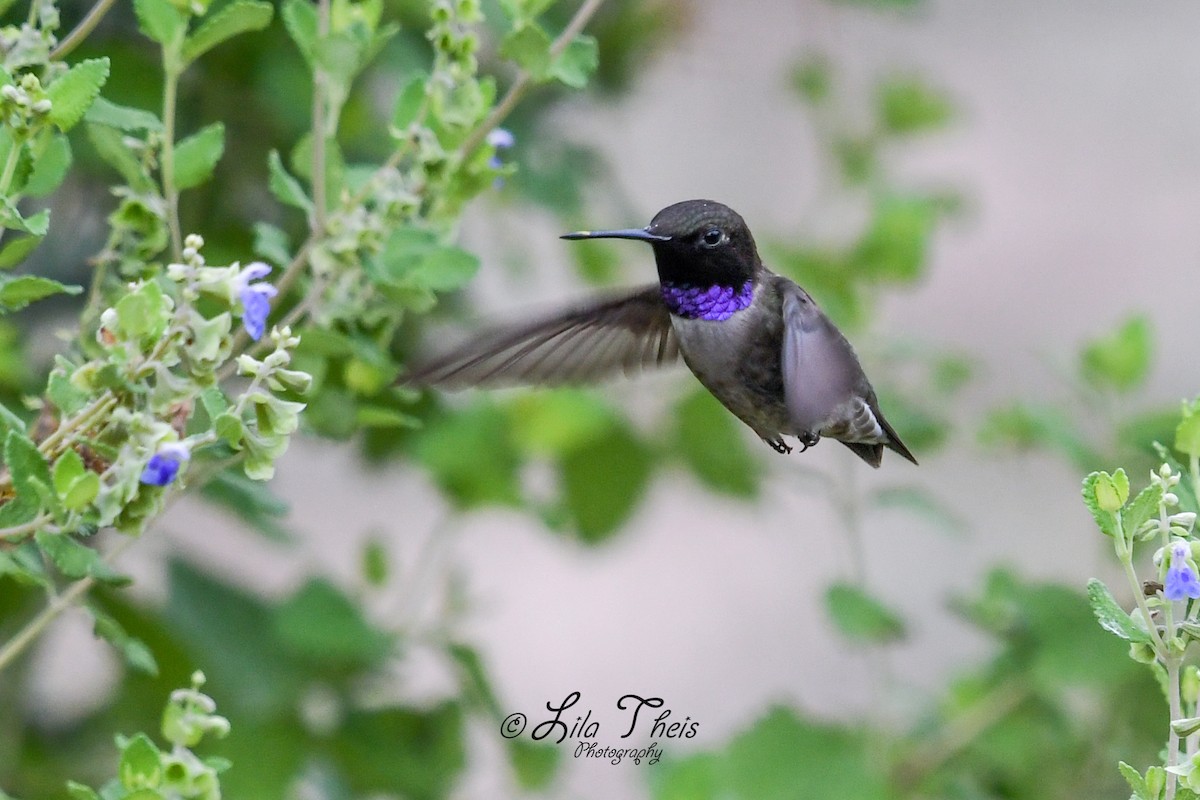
x=18, y=532
x=1125, y=556
x=82, y=30
x=319, y=123
x=170, y=192
x=1172, y=665
x=524, y=80
x=27, y=635
x=10, y=167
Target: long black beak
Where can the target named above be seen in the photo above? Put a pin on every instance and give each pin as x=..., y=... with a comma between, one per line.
x=625, y=233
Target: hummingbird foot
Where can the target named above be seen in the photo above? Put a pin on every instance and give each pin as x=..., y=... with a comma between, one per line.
x=779, y=446
x=808, y=440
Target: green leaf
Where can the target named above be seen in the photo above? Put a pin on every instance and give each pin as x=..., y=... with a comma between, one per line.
x=1121, y=360
x=19, y=292
x=49, y=168
x=1134, y=778
x=71, y=95
x=908, y=106
x=603, y=480
x=535, y=763
x=577, y=62
x=410, y=101
x=196, y=156
x=252, y=501
x=286, y=188
x=895, y=246
x=471, y=456
x=300, y=20
x=413, y=258
x=271, y=243
x=920, y=501
x=11, y=217
x=1111, y=616
x=76, y=560
x=375, y=568
x=133, y=650
x=321, y=624
x=1106, y=520
x=713, y=446
x=160, y=20
x=241, y=16
x=427, y=749
x=82, y=492
x=812, y=78
x=473, y=678
x=529, y=46
x=1187, y=433
x=1144, y=507
x=123, y=118
x=141, y=765
x=16, y=250
x=558, y=421
x=79, y=791
x=30, y=472
x=68, y=467
x=860, y=616
x=9, y=422
x=110, y=146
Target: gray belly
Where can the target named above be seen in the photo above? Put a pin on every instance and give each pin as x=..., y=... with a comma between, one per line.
x=736, y=361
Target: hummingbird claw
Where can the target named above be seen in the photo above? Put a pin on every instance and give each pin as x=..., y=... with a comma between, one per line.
x=779, y=446
x=808, y=440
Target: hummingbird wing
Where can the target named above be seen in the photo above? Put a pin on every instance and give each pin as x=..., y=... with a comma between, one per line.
x=825, y=388
x=621, y=333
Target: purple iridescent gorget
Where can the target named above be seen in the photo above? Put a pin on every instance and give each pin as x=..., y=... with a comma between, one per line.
x=706, y=302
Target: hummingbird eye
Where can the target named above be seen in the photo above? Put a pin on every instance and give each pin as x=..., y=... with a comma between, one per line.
x=713, y=237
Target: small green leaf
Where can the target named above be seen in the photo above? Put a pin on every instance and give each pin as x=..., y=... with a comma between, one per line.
x=603, y=480
x=134, y=651
x=535, y=763
x=111, y=147
x=375, y=563
x=713, y=445
x=1187, y=433
x=271, y=243
x=860, y=616
x=1121, y=360
x=230, y=428
x=76, y=560
x=1134, y=778
x=123, y=118
x=300, y=20
x=49, y=168
x=241, y=16
x=286, y=188
x=141, y=764
x=82, y=492
x=19, y=292
x=30, y=472
x=908, y=106
x=79, y=791
x=160, y=20
x=196, y=156
x=410, y=102
x=1144, y=507
x=68, y=467
x=577, y=62
x=16, y=250
x=71, y=95
x=1095, y=485
x=812, y=79
x=1111, y=616
x=143, y=313
x=321, y=623
x=529, y=46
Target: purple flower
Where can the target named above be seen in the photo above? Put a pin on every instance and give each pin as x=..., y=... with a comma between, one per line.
x=1181, y=579
x=500, y=139
x=163, y=466
x=255, y=298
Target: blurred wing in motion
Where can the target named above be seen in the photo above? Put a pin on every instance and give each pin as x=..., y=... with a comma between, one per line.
x=623, y=333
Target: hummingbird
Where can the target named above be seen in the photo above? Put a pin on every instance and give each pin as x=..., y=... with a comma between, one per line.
x=756, y=340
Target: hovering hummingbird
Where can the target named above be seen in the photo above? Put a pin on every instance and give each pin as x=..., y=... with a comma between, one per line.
x=756, y=340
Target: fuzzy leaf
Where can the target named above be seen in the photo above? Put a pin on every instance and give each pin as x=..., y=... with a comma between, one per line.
x=160, y=20
x=49, y=168
x=860, y=616
x=196, y=156
x=241, y=16
x=1111, y=616
x=15, y=250
x=20, y=292
x=72, y=94
x=577, y=62
x=1120, y=360
x=286, y=188
x=124, y=118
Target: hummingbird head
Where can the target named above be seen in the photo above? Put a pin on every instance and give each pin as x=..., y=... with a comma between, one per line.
x=696, y=242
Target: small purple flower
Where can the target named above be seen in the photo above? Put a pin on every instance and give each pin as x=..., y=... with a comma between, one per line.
x=164, y=465
x=1181, y=579
x=255, y=297
x=500, y=139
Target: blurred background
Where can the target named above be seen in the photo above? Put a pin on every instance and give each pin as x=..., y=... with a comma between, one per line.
x=995, y=201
